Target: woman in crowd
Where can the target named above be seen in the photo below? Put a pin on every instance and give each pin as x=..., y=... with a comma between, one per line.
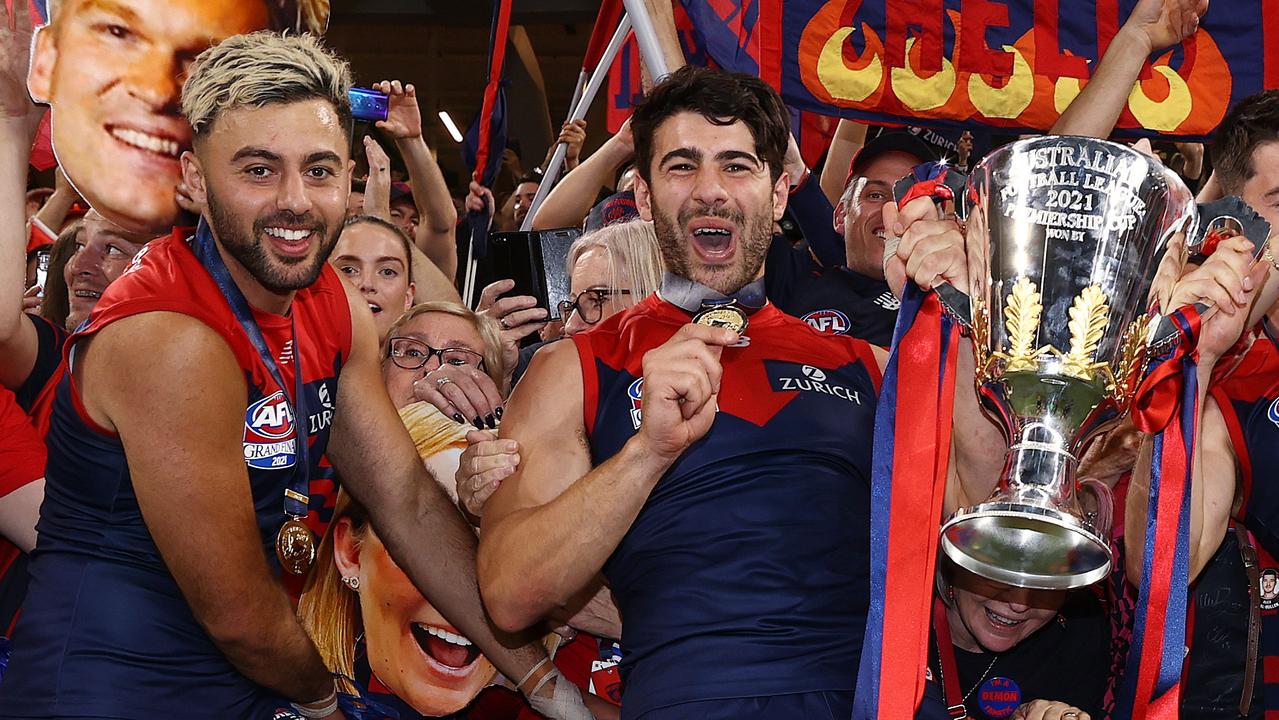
x=999, y=650
x=610, y=270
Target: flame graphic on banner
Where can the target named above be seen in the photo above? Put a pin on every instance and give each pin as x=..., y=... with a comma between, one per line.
x=1190, y=99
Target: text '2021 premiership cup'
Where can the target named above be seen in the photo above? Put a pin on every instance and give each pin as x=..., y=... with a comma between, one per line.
x=1077, y=230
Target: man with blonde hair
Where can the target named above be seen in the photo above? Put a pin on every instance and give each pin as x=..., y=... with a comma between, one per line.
x=151, y=594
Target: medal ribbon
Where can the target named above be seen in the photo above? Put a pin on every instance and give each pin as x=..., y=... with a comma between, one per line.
x=206, y=252
x=952, y=692
x=908, y=483
x=1165, y=405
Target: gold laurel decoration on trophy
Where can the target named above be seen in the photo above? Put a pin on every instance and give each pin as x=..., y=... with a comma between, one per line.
x=1021, y=322
x=1131, y=357
x=1089, y=316
x=981, y=338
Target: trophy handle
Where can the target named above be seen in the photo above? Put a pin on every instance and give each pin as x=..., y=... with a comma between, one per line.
x=1097, y=503
x=1229, y=215
x=1225, y=217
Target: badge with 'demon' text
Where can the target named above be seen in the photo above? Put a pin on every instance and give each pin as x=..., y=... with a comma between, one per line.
x=999, y=697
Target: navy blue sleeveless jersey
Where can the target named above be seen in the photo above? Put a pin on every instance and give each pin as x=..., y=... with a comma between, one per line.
x=746, y=572
x=105, y=631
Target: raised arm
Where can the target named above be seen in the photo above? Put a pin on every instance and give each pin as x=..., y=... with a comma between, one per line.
x=430, y=192
x=19, y=118
x=1228, y=282
x=932, y=251
x=850, y=136
x=182, y=430
x=1153, y=25
x=417, y=522
x=572, y=198
x=551, y=525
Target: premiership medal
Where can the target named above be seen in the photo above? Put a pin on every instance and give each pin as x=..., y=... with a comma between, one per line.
x=295, y=546
x=723, y=316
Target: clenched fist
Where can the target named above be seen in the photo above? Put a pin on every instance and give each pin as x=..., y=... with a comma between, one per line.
x=681, y=386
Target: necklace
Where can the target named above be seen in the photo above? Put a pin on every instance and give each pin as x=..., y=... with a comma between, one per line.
x=973, y=689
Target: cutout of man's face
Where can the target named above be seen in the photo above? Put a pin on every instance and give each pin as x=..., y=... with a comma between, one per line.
x=112, y=73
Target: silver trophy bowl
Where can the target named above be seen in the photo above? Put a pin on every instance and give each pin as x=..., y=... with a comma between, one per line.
x=1066, y=237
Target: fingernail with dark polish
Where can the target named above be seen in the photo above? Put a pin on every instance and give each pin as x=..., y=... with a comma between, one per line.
x=457, y=418
x=490, y=421
x=498, y=413
x=479, y=423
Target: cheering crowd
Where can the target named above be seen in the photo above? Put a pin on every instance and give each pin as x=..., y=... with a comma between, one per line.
x=259, y=460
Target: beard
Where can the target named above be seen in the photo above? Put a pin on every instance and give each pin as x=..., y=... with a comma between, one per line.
x=277, y=274
x=680, y=258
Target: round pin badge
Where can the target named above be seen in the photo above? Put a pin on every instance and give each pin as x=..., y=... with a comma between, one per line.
x=725, y=316
x=999, y=697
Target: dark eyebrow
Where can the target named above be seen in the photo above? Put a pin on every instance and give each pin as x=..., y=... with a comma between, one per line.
x=738, y=155
x=254, y=152
x=684, y=153
x=322, y=156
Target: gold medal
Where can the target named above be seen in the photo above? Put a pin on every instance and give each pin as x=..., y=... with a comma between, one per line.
x=295, y=546
x=725, y=316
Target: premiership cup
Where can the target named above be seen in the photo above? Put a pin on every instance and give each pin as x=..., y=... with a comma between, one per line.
x=1066, y=236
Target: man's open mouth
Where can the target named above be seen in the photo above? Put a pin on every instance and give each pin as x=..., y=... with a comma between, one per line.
x=162, y=145
x=292, y=241
x=449, y=649
x=713, y=239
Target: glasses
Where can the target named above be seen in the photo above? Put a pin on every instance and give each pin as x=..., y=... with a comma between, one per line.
x=589, y=304
x=412, y=354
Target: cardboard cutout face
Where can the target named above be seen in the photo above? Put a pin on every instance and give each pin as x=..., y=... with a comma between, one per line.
x=112, y=72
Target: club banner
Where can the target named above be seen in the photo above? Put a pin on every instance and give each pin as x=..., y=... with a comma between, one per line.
x=1007, y=66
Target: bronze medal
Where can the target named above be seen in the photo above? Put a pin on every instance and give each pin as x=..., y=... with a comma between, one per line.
x=725, y=316
x=295, y=547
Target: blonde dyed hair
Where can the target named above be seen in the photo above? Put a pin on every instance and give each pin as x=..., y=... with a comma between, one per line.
x=263, y=68
x=490, y=333
x=328, y=609
x=634, y=259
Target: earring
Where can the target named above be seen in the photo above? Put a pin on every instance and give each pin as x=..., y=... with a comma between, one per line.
x=352, y=582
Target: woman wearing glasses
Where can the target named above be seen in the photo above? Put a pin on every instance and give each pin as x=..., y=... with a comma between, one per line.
x=452, y=357
x=610, y=269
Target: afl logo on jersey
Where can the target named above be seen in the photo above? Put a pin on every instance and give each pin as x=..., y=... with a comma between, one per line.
x=829, y=322
x=635, y=394
x=1273, y=412
x=269, y=433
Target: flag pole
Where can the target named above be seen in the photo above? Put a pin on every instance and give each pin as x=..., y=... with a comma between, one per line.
x=579, y=112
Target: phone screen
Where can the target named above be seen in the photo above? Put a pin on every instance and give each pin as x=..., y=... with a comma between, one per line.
x=367, y=105
x=42, y=270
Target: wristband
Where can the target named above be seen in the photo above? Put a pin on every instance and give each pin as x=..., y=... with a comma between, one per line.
x=326, y=706
x=520, y=685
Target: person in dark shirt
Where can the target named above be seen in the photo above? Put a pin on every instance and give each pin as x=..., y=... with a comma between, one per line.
x=997, y=649
x=846, y=294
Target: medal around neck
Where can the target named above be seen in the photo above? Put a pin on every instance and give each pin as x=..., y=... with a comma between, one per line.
x=727, y=316
x=295, y=547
